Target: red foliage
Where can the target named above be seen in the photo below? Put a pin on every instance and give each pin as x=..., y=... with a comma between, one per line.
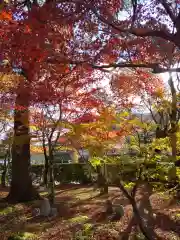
x=86, y=118
x=30, y=43
x=43, y=40
x=134, y=84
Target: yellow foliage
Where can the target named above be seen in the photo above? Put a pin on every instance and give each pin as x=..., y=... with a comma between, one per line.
x=36, y=149
x=159, y=92
x=8, y=81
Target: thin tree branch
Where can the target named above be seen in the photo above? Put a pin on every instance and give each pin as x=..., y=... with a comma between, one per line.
x=153, y=66
x=141, y=32
x=133, y=192
x=168, y=10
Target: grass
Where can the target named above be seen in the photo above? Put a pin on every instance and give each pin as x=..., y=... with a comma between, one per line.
x=81, y=216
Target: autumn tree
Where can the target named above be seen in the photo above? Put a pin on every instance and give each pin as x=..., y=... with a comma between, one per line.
x=96, y=134
x=141, y=35
x=51, y=121
x=38, y=79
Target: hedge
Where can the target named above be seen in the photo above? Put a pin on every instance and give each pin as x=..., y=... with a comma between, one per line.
x=84, y=173
x=66, y=173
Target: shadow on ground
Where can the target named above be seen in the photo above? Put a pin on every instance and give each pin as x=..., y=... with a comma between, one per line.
x=80, y=205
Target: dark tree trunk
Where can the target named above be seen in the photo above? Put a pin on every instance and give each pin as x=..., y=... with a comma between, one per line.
x=161, y=133
x=3, y=179
x=174, y=129
x=46, y=164
x=21, y=188
x=3, y=176
x=45, y=173
x=104, y=189
x=101, y=181
x=149, y=234
x=51, y=178
x=144, y=229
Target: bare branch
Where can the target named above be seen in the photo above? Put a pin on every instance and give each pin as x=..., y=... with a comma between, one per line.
x=134, y=4
x=168, y=10
x=154, y=66
x=141, y=32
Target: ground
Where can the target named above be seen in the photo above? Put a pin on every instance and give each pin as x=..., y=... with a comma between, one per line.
x=81, y=213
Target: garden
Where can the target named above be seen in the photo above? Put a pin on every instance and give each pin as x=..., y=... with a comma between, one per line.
x=89, y=120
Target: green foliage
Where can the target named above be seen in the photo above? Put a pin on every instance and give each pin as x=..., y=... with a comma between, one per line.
x=161, y=144
x=67, y=173
x=7, y=210
x=22, y=236
x=178, y=173
x=71, y=173
x=85, y=233
x=79, y=219
x=156, y=167
x=178, y=216
x=96, y=161
x=129, y=186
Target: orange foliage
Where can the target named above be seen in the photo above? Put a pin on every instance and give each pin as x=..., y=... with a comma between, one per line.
x=135, y=84
x=4, y=15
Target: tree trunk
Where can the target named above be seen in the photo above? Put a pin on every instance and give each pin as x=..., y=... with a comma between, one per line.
x=104, y=189
x=174, y=127
x=172, y=175
x=102, y=184
x=45, y=173
x=105, y=177
x=144, y=229
x=3, y=179
x=46, y=164
x=51, y=178
x=21, y=188
x=3, y=176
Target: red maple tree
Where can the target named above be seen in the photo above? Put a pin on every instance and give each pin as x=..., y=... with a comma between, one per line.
x=28, y=42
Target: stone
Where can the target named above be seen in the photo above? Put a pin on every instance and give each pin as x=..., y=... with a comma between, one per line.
x=45, y=208
x=109, y=207
x=118, y=213
x=54, y=212
x=119, y=210
x=42, y=189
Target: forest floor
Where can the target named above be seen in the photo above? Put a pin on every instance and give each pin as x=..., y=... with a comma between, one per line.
x=81, y=213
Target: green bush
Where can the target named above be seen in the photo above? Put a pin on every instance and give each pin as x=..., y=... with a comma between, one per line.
x=85, y=173
x=67, y=173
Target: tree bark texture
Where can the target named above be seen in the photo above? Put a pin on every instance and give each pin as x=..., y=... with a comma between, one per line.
x=21, y=188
